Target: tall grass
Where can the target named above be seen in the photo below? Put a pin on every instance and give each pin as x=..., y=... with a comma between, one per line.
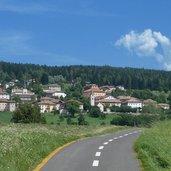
x=154, y=147
x=22, y=147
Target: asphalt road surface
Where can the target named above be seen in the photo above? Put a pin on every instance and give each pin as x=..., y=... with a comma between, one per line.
x=103, y=153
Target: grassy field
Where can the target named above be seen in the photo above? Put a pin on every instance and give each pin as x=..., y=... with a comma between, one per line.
x=23, y=146
x=51, y=118
x=5, y=117
x=154, y=147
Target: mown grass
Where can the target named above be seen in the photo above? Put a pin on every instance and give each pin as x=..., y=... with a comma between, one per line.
x=23, y=146
x=5, y=117
x=53, y=119
x=154, y=147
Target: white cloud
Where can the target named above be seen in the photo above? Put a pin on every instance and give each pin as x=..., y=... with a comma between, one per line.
x=150, y=44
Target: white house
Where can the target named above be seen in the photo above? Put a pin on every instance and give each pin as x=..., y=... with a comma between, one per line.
x=120, y=87
x=54, y=87
x=4, y=94
x=7, y=105
x=52, y=93
x=48, y=104
x=133, y=103
x=59, y=94
x=24, y=94
x=111, y=101
x=164, y=106
x=101, y=107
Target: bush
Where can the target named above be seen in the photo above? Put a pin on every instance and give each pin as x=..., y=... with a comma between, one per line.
x=123, y=109
x=102, y=116
x=61, y=118
x=134, y=120
x=27, y=113
x=116, y=120
x=95, y=112
x=69, y=121
x=81, y=120
x=103, y=123
x=151, y=109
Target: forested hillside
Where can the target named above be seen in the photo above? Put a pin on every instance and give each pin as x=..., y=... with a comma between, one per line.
x=101, y=75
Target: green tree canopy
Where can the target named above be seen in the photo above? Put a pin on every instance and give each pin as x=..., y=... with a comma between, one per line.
x=73, y=107
x=27, y=113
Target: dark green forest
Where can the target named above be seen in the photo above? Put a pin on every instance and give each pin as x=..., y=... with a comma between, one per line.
x=130, y=78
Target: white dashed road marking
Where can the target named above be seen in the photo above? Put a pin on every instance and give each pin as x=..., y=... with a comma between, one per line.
x=98, y=154
x=101, y=147
x=95, y=163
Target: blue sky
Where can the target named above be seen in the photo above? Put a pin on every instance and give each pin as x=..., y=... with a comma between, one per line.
x=88, y=32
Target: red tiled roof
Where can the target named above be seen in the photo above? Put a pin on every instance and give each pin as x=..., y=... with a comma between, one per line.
x=133, y=100
x=94, y=90
x=2, y=91
x=109, y=101
x=47, y=103
x=6, y=101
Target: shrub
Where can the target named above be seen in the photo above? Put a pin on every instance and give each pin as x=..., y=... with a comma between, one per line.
x=95, y=112
x=134, y=120
x=123, y=109
x=27, y=113
x=69, y=121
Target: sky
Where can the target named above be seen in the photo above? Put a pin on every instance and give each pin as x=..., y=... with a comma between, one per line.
x=119, y=33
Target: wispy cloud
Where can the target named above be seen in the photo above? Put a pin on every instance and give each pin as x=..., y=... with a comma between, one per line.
x=64, y=7
x=20, y=7
x=17, y=47
x=150, y=44
x=14, y=43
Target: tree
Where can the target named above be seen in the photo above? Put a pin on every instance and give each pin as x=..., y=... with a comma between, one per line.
x=95, y=112
x=169, y=100
x=44, y=78
x=151, y=109
x=86, y=103
x=81, y=120
x=38, y=90
x=69, y=121
x=73, y=107
x=27, y=113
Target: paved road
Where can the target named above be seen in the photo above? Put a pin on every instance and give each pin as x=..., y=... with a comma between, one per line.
x=102, y=153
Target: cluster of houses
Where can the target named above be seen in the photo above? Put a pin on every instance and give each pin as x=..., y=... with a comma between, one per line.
x=98, y=96
x=47, y=104
x=5, y=103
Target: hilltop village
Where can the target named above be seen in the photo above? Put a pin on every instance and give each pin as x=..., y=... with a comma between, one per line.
x=55, y=97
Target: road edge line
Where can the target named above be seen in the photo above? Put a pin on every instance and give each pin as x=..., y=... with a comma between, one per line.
x=46, y=159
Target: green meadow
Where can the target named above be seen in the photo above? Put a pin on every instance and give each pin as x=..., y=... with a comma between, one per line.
x=154, y=147
x=23, y=146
